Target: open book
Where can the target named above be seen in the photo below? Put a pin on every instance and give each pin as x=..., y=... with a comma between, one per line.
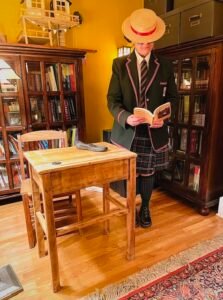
x=162, y=112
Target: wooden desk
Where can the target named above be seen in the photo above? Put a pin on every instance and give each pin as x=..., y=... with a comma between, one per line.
x=65, y=170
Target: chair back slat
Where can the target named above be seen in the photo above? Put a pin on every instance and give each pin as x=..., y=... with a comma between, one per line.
x=57, y=139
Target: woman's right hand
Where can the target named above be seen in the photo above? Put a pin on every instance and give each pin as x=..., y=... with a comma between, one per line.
x=134, y=121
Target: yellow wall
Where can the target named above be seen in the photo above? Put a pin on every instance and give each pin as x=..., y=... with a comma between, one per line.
x=101, y=30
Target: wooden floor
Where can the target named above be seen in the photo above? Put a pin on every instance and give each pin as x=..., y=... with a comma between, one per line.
x=94, y=260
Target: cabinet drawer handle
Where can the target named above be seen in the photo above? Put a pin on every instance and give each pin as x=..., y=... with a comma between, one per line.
x=195, y=20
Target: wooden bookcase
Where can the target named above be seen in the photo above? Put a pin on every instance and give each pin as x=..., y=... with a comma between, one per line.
x=49, y=95
x=195, y=171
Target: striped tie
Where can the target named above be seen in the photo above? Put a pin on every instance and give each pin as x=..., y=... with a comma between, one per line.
x=144, y=74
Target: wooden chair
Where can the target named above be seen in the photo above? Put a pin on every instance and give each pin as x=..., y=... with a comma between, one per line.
x=63, y=206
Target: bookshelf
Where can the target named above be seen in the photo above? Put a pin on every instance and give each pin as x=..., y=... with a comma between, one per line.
x=49, y=95
x=195, y=171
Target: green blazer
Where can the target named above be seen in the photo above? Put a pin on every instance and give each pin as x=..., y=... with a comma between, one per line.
x=123, y=96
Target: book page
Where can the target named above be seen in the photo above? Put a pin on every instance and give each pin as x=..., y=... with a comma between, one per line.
x=162, y=112
x=144, y=113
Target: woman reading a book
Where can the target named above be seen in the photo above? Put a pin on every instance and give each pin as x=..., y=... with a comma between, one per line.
x=142, y=79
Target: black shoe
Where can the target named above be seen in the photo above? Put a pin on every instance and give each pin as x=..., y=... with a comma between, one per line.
x=137, y=221
x=144, y=217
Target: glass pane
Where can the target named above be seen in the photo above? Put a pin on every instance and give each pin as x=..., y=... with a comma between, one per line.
x=70, y=108
x=194, y=177
x=52, y=80
x=34, y=81
x=198, y=115
x=170, y=138
x=2, y=148
x=167, y=173
x=175, y=70
x=195, y=145
x=37, y=109
x=202, y=72
x=11, y=111
x=55, y=107
x=69, y=77
x=184, y=108
x=182, y=140
x=186, y=74
x=4, y=182
x=13, y=144
x=179, y=171
x=8, y=78
x=16, y=174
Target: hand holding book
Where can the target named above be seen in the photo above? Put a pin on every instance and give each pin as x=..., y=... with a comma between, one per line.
x=161, y=113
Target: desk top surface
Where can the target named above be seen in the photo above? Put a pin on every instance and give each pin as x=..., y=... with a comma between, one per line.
x=51, y=160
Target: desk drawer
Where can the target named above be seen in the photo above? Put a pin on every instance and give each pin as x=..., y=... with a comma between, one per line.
x=171, y=36
x=202, y=21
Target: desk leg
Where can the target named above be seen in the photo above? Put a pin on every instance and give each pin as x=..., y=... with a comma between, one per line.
x=106, y=207
x=51, y=232
x=131, y=195
x=37, y=208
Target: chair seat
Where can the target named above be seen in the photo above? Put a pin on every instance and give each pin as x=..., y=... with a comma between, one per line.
x=26, y=187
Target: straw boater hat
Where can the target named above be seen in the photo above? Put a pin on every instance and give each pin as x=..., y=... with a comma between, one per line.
x=143, y=26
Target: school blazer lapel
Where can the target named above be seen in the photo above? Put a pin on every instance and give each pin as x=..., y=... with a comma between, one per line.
x=153, y=69
x=131, y=66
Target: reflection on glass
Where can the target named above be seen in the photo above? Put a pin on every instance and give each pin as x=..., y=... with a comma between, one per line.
x=186, y=74
x=2, y=148
x=170, y=137
x=37, y=109
x=194, y=177
x=55, y=107
x=195, y=145
x=70, y=108
x=4, y=182
x=175, y=70
x=52, y=82
x=8, y=78
x=167, y=172
x=183, y=110
x=69, y=77
x=198, y=115
x=11, y=111
x=34, y=81
x=202, y=72
x=13, y=144
x=182, y=139
x=178, y=174
x=16, y=174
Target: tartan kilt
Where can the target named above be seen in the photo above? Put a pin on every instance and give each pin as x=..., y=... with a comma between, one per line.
x=148, y=160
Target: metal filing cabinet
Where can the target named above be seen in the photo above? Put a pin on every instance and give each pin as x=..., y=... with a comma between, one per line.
x=201, y=21
x=180, y=3
x=172, y=33
x=159, y=6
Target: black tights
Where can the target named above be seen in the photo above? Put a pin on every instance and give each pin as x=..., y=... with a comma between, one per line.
x=144, y=187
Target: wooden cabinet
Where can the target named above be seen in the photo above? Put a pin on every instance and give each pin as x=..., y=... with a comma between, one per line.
x=49, y=95
x=195, y=170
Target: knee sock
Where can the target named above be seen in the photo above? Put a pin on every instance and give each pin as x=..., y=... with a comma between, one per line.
x=146, y=188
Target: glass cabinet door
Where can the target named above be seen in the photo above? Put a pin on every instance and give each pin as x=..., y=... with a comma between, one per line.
x=186, y=74
x=199, y=110
x=34, y=79
x=184, y=109
x=202, y=72
x=11, y=111
x=52, y=77
x=69, y=77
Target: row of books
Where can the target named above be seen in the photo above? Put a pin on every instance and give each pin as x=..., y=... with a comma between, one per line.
x=70, y=108
x=195, y=141
x=69, y=77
